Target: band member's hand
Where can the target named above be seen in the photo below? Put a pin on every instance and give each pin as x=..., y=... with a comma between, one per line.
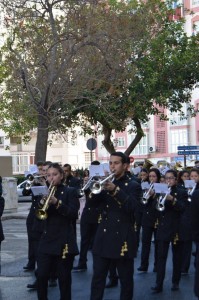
x=53, y=200
x=169, y=197
x=109, y=186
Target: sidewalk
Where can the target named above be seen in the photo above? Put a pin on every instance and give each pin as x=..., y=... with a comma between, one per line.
x=21, y=213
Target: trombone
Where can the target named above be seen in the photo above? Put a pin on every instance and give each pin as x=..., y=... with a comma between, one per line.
x=97, y=185
x=41, y=213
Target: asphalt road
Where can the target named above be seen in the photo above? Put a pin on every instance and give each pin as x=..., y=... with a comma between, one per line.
x=13, y=279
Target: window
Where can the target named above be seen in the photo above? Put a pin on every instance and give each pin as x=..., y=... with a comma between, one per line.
x=142, y=147
x=176, y=119
x=178, y=138
x=195, y=2
x=20, y=163
x=120, y=142
x=87, y=158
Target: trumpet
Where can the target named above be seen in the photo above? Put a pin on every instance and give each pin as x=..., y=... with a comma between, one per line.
x=161, y=200
x=41, y=213
x=29, y=183
x=190, y=191
x=97, y=185
x=146, y=194
x=86, y=186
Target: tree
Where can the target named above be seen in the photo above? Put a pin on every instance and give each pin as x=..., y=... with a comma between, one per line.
x=80, y=63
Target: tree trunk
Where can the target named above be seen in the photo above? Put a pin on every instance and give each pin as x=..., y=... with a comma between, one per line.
x=107, y=139
x=42, y=139
x=137, y=138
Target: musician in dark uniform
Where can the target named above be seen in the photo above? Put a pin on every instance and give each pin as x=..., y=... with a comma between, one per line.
x=72, y=181
x=88, y=227
x=57, y=244
x=115, y=237
x=185, y=225
x=30, y=219
x=195, y=236
x=149, y=223
x=168, y=232
x=113, y=276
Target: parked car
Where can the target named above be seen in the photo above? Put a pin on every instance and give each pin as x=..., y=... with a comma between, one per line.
x=21, y=197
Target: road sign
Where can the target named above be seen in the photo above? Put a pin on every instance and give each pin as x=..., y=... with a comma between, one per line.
x=91, y=144
x=188, y=147
x=188, y=152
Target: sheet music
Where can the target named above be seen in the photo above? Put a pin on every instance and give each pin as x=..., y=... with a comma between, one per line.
x=189, y=183
x=161, y=188
x=96, y=170
x=145, y=185
x=40, y=190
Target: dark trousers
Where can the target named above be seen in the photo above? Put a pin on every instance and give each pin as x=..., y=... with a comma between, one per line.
x=87, y=231
x=186, y=256
x=147, y=233
x=163, y=247
x=113, y=270
x=31, y=247
x=125, y=269
x=138, y=225
x=64, y=267
x=196, y=279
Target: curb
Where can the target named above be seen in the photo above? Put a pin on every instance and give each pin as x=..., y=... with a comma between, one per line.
x=4, y=218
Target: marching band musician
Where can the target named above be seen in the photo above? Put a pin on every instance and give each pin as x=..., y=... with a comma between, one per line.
x=71, y=181
x=115, y=237
x=185, y=225
x=29, y=224
x=195, y=236
x=2, y=204
x=168, y=232
x=57, y=244
x=149, y=224
x=88, y=227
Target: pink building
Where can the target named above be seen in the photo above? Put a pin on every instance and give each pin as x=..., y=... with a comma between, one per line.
x=163, y=137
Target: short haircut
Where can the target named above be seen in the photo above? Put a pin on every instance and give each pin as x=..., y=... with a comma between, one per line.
x=95, y=163
x=175, y=174
x=67, y=166
x=47, y=163
x=120, y=154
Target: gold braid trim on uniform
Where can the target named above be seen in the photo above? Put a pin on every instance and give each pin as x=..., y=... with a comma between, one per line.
x=65, y=251
x=124, y=249
x=176, y=239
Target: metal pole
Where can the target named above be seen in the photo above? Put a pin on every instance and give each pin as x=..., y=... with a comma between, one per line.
x=91, y=156
x=185, y=163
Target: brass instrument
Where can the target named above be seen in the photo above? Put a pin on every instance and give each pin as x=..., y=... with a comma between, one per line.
x=190, y=187
x=146, y=194
x=96, y=186
x=161, y=200
x=30, y=183
x=86, y=186
x=41, y=213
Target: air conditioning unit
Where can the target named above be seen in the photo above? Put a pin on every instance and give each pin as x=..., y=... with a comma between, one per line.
x=152, y=149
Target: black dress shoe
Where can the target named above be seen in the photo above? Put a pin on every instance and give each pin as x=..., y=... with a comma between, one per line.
x=156, y=289
x=142, y=269
x=80, y=268
x=112, y=283
x=28, y=268
x=32, y=286
x=175, y=287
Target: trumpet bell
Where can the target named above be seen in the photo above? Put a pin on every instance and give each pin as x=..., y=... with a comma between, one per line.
x=96, y=187
x=41, y=214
